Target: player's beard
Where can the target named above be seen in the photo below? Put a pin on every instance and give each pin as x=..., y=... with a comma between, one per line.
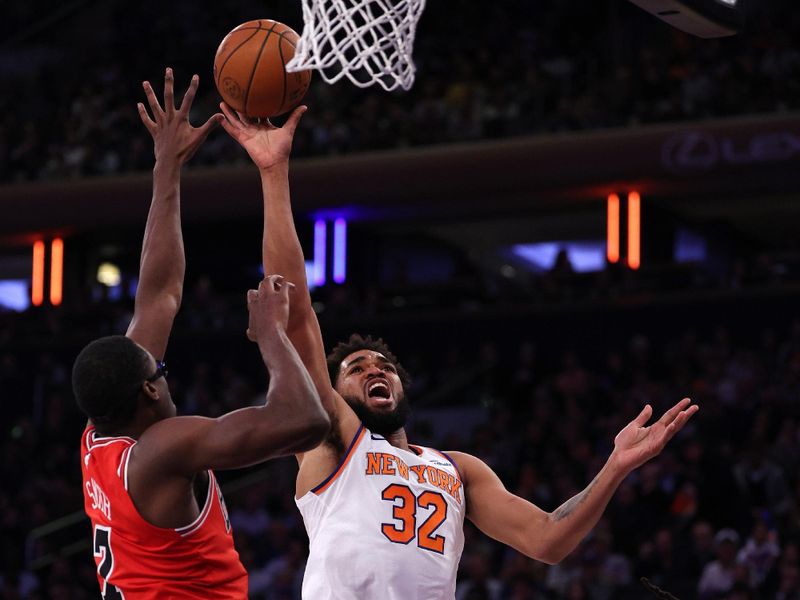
x=381, y=422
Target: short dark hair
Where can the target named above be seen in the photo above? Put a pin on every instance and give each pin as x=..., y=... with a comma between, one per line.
x=106, y=379
x=358, y=342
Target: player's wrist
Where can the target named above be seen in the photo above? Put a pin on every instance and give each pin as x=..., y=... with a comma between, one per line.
x=272, y=341
x=617, y=467
x=270, y=336
x=279, y=169
x=169, y=166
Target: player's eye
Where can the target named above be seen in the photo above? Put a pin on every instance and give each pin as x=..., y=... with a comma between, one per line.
x=355, y=370
x=389, y=368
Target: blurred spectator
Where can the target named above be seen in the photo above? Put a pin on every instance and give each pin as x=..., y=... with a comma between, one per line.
x=548, y=72
x=719, y=575
x=478, y=583
x=760, y=555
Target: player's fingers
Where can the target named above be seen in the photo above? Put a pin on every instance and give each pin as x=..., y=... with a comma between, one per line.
x=673, y=412
x=275, y=282
x=146, y=120
x=250, y=335
x=231, y=115
x=206, y=127
x=679, y=421
x=644, y=416
x=244, y=119
x=152, y=100
x=294, y=119
x=229, y=127
x=285, y=288
x=169, y=93
x=252, y=296
x=188, y=97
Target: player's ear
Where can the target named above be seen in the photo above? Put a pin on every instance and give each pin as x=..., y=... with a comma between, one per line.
x=149, y=390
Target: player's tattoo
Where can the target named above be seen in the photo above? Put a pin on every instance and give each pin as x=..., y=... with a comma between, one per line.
x=570, y=505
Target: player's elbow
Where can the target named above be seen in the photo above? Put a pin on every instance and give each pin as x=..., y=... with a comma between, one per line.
x=546, y=549
x=546, y=553
x=172, y=296
x=551, y=556
x=166, y=302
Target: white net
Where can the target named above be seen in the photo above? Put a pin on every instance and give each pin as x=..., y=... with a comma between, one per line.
x=367, y=41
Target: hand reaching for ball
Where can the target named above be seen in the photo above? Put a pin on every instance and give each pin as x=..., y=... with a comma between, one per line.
x=267, y=145
x=173, y=135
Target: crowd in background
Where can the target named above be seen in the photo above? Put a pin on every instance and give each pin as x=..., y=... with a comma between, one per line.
x=715, y=516
x=485, y=71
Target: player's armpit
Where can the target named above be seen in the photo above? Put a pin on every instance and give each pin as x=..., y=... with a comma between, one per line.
x=500, y=514
x=344, y=425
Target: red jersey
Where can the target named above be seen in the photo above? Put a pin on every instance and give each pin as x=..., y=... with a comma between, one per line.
x=139, y=561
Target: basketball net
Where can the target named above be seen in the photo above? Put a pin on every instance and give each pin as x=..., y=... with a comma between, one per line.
x=367, y=41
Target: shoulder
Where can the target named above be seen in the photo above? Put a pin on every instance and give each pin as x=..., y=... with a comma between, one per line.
x=345, y=425
x=174, y=430
x=471, y=468
x=166, y=442
x=319, y=464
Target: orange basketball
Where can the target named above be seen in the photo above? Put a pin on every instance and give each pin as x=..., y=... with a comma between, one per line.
x=250, y=69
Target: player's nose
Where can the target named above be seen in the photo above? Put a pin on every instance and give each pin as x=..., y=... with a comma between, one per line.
x=373, y=371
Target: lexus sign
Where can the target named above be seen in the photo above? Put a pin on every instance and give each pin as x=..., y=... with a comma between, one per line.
x=698, y=151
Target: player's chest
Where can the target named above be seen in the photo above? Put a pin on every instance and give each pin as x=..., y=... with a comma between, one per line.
x=408, y=498
x=379, y=468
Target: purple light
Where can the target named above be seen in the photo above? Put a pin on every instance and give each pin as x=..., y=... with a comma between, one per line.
x=339, y=250
x=320, y=231
x=586, y=256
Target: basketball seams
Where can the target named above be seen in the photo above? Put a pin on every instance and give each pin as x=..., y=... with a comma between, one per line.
x=283, y=63
x=283, y=37
x=255, y=65
x=235, y=50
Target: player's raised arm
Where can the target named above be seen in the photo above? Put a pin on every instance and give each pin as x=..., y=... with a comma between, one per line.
x=162, y=264
x=550, y=537
x=269, y=147
x=292, y=419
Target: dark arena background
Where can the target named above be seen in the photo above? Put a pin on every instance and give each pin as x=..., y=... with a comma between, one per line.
x=576, y=210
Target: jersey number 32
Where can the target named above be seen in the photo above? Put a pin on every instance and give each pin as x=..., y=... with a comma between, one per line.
x=405, y=512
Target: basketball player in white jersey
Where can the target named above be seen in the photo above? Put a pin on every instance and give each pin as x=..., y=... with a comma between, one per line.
x=384, y=517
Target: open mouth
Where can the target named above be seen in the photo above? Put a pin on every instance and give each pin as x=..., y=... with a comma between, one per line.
x=378, y=390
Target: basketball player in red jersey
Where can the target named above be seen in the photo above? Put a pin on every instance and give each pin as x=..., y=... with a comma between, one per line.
x=385, y=517
x=159, y=523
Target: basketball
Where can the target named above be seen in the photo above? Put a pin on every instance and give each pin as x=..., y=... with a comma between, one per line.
x=250, y=69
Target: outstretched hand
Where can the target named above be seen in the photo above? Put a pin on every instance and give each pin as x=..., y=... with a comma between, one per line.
x=173, y=135
x=266, y=144
x=268, y=307
x=636, y=444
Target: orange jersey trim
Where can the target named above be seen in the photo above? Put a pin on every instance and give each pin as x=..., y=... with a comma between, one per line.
x=419, y=450
x=345, y=459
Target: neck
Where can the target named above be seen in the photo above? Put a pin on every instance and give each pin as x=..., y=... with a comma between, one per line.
x=133, y=429
x=398, y=439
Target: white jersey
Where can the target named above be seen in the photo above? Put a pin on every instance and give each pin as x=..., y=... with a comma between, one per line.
x=388, y=523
